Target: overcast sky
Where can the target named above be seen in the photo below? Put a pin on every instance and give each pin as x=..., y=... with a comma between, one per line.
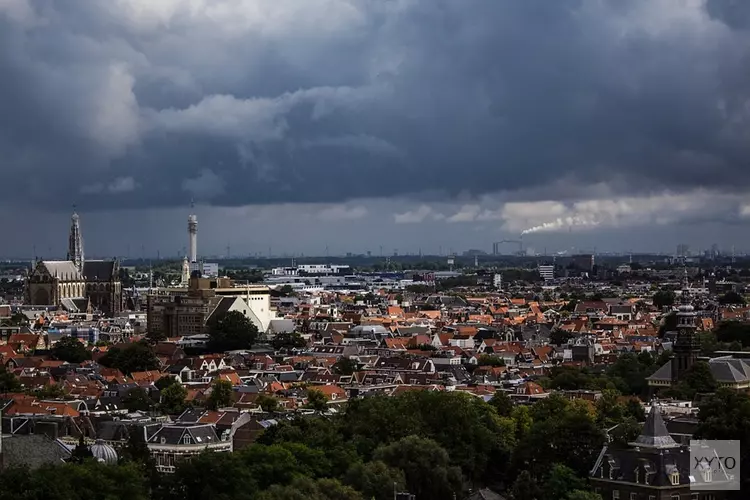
x=351, y=124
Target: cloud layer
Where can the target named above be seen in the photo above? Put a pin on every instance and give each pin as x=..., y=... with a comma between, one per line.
x=139, y=103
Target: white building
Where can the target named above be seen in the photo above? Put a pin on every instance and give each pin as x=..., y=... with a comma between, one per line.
x=547, y=272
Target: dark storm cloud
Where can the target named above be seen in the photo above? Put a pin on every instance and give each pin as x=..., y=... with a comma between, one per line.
x=137, y=103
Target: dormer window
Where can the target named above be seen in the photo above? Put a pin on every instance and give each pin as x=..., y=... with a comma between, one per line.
x=186, y=439
x=674, y=478
x=637, y=475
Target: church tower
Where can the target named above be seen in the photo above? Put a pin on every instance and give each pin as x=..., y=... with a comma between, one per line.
x=75, y=242
x=687, y=346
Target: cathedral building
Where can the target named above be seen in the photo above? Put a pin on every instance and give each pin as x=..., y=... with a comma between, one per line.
x=76, y=285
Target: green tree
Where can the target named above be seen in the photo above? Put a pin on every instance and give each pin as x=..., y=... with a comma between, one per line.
x=474, y=435
x=626, y=431
x=487, y=360
x=726, y=415
x=502, y=404
x=173, y=399
x=137, y=400
x=221, y=395
x=732, y=298
x=71, y=350
x=8, y=381
x=288, y=341
x=375, y=479
x=135, y=357
x=267, y=403
x=562, y=481
x=74, y=481
x=525, y=487
x=316, y=400
x=700, y=378
x=664, y=298
x=561, y=432
x=733, y=331
x=165, y=382
x=304, y=488
x=220, y=476
x=426, y=467
x=232, y=331
x=50, y=391
x=344, y=366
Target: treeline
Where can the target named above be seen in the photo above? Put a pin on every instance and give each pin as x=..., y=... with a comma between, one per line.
x=436, y=445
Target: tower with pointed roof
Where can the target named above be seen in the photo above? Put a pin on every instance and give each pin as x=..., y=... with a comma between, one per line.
x=687, y=345
x=75, y=242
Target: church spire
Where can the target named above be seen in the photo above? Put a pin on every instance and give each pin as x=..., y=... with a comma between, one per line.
x=75, y=241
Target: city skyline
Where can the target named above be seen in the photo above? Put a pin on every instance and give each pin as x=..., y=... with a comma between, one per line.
x=211, y=235
x=354, y=124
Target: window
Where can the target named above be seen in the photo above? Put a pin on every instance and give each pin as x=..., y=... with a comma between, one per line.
x=637, y=473
x=633, y=496
x=694, y=496
x=616, y=495
x=675, y=496
x=675, y=479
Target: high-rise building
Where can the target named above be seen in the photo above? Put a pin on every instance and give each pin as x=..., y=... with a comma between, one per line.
x=547, y=272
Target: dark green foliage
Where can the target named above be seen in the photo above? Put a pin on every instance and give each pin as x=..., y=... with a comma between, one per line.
x=525, y=487
x=732, y=298
x=135, y=357
x=375, y=479
x=561, y=481
x=220, y=476
x=232, y=331
x=726, y=415
x=626, y=432
x=8, y=381
x=487, y=360
x=426, y=466
x=50, y=391
x=472, y=433
x=733, y=331
x=345, y=366
x=71, y=350
x=267, y=403
x=502, y=404
x=316, y=400
x=165, y=382
x=137, y=400
x=173, y=399
x=697, y=380
x=304, y=488
x=86, y=481
x=288, y=341
x=561, y=432
x=221, y=395
x=664, y=298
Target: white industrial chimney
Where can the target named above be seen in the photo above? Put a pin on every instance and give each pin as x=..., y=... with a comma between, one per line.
x=193, y=235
